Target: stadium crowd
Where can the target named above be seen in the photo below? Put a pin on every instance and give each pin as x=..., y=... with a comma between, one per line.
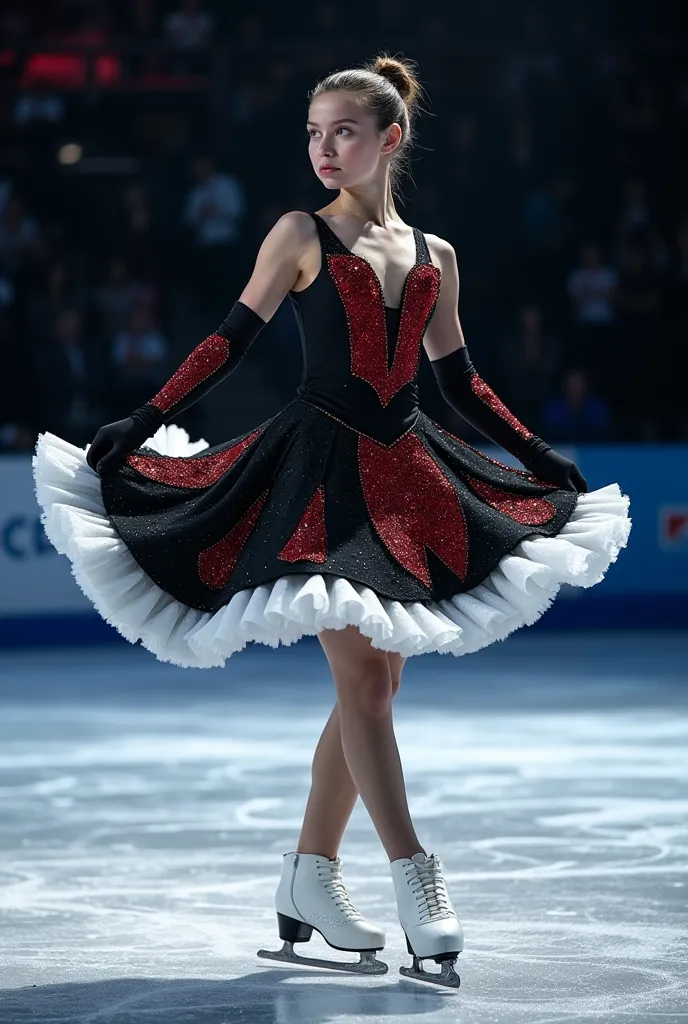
x=149, y=146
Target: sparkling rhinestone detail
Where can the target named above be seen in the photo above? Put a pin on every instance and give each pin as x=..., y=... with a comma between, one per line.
x=487, y=395
x=216, y=563
x=361, y=295
x=495, y=462
x=308, y=542
x=523, y=509
x=190, y=471
x=200, y=364
x=413, y=505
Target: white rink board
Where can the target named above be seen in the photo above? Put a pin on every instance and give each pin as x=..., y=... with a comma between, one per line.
x=33, y=577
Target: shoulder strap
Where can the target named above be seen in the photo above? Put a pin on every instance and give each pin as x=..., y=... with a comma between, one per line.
x=422, y=251
x=328, y=239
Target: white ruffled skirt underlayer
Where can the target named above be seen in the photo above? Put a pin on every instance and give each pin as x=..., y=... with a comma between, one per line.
x=516, y=593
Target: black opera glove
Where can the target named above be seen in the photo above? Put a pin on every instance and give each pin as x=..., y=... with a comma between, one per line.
x=475, y=400
x=208, y=364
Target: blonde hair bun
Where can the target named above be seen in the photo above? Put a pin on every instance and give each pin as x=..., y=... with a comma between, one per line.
x=402, y=75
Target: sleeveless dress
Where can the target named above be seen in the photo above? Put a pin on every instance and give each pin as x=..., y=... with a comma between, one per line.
x=349, y=507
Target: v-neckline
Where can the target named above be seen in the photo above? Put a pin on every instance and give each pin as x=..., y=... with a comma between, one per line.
x=357, y=255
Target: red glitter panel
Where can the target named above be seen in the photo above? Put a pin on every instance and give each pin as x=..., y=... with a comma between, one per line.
x=529, y=511
x=190, y=471
x=487, y=395
x=413, y=505
x=495, y=462
x=216, y=563
x=200, y=364
x=308, y=541
x=360, y=291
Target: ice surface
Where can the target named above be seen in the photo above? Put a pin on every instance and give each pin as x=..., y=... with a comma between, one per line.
x=144, y=811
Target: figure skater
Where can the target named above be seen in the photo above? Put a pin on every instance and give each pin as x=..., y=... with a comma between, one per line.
x=350, y=514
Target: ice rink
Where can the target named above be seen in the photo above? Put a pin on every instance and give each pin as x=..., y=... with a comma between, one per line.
x=145, y=809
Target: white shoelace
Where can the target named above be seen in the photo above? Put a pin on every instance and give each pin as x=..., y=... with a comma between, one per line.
x=431, y=891
x=335, y=886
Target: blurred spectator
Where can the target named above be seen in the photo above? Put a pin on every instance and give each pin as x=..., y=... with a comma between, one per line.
x=528, y=367
x=136, y=236
x=591, y=288
x=637, y=223
x=71, y=381
x=189, y=29
x=116, y=299
x=189, y=26
x=550, y=230
x=577, y=415
x=546, y=217
x=39, y=105
x=214, y=209
x=19, y=237
x=55, y=291
x=138, y=357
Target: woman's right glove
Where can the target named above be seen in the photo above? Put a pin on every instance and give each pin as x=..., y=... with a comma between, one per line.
x=115, y=441
x=475, y=400
x=208, y=364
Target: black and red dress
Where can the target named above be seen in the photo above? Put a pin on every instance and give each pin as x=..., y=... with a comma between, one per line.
x=350, y=506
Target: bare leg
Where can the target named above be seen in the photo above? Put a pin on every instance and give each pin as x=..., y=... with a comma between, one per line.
x=333, y=792
x=364, y=691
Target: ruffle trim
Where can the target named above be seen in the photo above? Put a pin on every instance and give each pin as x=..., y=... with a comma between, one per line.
x=516, y=593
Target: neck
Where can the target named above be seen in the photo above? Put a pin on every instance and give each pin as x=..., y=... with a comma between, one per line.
x=369, y=203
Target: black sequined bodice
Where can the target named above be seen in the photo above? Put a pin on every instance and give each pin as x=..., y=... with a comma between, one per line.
x=360, y=356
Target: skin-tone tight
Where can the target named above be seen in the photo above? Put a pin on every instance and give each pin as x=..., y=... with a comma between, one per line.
x=357, y=752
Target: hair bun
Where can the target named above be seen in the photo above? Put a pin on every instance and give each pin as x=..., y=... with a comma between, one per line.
x=401, y=73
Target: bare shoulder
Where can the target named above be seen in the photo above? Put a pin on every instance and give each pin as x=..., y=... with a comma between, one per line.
x=441, y=251
x=296, y=225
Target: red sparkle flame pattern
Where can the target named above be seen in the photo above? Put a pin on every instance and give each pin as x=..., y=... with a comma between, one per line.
x=308, y=542
x=216, y=563
x=487, y=395
x=413, y=505
x=194, y=472
x=523, y=509
x=363, y=301
x=200, y=364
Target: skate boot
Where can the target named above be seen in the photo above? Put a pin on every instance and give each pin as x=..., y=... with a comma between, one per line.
x=428, y=918
x=310, y=895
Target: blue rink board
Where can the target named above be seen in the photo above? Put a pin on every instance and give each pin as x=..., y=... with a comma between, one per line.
x=615, y=611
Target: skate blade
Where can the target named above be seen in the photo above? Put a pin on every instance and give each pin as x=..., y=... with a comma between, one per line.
x=368, y=963
x=447, y=976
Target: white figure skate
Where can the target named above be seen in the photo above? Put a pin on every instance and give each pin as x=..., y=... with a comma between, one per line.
x=310, y=895
x=432, y=929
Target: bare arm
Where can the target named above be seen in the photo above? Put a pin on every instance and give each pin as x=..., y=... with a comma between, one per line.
x=444, y=334
x=277, y=268
x=278, y=263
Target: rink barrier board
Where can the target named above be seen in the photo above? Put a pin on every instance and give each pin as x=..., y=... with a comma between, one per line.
x=635, y=611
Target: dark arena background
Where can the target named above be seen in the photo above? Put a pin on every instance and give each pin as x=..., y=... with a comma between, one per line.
x=147, y=148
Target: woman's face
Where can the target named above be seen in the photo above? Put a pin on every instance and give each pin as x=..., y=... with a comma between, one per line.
x=344, y=145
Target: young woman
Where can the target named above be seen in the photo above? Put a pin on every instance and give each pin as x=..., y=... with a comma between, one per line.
x=350, y=514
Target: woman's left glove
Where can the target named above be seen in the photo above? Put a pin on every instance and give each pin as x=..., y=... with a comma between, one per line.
x=556, y=469
x=475, y=400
